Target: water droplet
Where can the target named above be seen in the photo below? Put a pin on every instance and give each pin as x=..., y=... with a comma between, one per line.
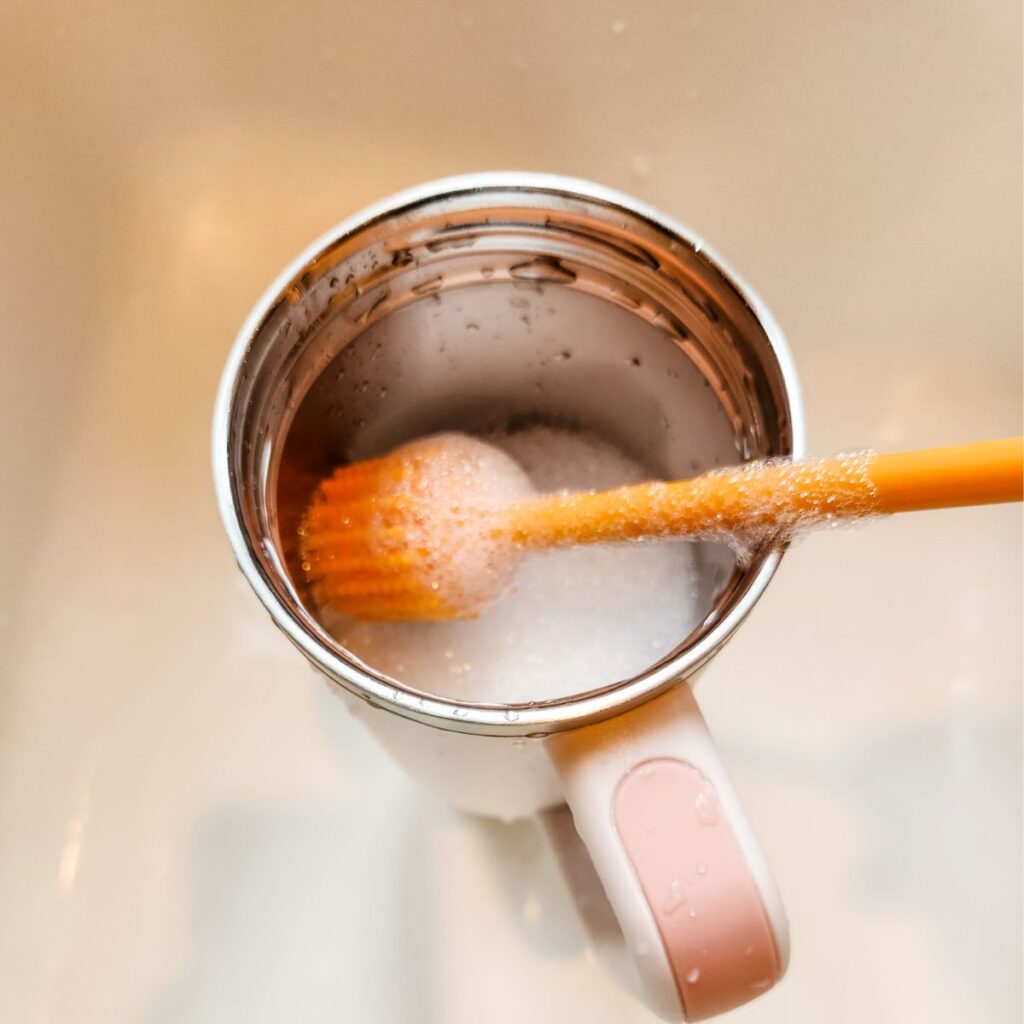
x=511, y=715
x=460, y=712
x=676, y=897
x=702, y=869
x=693, y=975
x=706, y=807
x=618, y=26
x=691, y=913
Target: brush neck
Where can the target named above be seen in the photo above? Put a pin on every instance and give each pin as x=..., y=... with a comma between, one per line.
x=766, y=500
x=562, y=520
x=760, y=499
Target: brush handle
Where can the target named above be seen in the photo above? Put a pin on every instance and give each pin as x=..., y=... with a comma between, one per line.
x=766, y=496
x=983, y=473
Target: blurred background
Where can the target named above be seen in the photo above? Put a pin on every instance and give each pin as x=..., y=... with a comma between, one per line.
x=191, y=828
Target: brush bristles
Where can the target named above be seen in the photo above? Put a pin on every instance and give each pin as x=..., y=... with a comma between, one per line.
x=354, y=545
x=416, y=534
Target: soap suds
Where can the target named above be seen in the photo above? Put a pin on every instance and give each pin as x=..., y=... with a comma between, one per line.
x=576, y=619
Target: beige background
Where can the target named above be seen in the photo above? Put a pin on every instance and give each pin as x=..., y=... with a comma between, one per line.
x=190, y=829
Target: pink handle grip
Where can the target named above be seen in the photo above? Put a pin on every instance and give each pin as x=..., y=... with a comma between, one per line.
x=676, y=856
x=707, y=906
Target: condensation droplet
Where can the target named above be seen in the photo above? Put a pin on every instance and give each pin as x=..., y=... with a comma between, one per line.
x=676, y=897
x=706, y=808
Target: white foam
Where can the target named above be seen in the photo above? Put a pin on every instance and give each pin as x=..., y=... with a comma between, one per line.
x=578, y=618
x=465, y=484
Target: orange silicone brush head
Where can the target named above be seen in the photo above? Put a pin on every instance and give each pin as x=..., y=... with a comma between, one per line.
x=416, y=534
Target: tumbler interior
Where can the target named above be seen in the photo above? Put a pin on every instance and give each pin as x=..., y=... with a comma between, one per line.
x=506, y=305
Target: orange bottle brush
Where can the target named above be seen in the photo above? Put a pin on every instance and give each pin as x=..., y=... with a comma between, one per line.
x=436, y=529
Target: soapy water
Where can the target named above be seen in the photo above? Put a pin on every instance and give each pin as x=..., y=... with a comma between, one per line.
x=574, y=620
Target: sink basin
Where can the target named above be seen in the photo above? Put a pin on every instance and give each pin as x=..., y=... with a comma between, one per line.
x=192, y=828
